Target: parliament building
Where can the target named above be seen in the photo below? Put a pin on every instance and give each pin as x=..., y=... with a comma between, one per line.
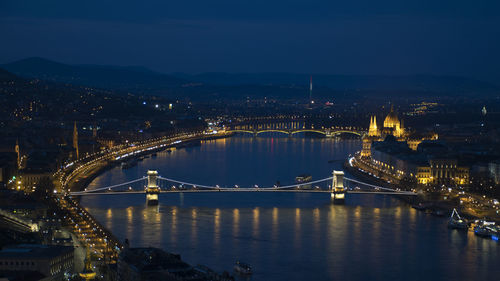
x=399, y=154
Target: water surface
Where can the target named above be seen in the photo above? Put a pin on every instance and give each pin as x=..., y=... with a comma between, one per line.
x=288, y=236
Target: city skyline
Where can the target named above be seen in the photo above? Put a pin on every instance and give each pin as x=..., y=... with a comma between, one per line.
x=249, y=140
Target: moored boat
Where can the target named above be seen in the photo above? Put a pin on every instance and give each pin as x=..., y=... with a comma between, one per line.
x=456, y=222
x=486, y=229
x=128, y=164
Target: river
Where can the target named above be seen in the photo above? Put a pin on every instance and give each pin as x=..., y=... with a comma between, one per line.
x=287, y=236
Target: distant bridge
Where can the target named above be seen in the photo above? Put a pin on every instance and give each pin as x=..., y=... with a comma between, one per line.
x=148, y=185
x=326, y=132
x=294, y=127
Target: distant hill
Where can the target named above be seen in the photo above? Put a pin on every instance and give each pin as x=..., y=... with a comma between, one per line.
x=7, y=76
x=209, y=86
x=30, y=99
x=413, y=83
x=134, y=79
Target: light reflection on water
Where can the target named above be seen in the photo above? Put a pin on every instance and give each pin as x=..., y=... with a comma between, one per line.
x=288, y=236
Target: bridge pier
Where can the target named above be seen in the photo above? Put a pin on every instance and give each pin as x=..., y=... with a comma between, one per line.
x=152, y=189
x=338, y=191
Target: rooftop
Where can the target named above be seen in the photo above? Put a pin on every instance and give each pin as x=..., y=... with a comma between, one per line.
x=34, y=251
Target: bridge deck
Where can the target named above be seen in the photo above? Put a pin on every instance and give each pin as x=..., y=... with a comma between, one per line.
x=245, y=190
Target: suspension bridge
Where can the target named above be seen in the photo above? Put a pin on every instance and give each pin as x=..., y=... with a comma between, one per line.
x=152, y=185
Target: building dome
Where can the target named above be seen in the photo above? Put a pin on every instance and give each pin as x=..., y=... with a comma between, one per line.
x=392, y=119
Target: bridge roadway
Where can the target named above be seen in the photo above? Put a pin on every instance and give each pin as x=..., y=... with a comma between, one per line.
x=152, y=184
x=326, y=132
x=246, y=190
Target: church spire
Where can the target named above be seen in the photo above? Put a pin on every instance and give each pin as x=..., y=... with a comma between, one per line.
x=75, y=140
x=373, y=130
x=18, y=152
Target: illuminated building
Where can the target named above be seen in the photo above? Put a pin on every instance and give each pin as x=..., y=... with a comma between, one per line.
x=446, y=171
x=392, y=125
x=373, y=130
x=373, y=135
x=395, y=152
x=432, y=163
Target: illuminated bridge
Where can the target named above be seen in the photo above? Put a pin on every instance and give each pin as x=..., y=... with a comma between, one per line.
x=152, y=185
x=294, y=127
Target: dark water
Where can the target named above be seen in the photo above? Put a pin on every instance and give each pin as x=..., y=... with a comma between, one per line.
x=287, y=236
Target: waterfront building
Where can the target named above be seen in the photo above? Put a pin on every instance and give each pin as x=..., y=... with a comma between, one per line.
x=447, y=171
x=392, y=126
x=51, y=261
x=432, y=163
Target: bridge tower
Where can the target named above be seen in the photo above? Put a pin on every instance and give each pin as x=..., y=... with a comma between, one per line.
x=152, y=189
x=338, y=191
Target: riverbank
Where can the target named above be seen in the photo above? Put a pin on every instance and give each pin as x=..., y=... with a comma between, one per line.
x=82, y=180
x=86, y=227
x=432, y=202
x=296, y=229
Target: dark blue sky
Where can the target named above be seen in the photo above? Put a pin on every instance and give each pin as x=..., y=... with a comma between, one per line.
x=336, y=37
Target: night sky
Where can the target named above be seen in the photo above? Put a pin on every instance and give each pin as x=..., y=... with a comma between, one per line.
x=333, y=37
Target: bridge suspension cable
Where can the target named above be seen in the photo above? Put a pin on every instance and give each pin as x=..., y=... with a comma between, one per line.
x=216, y=187
x=111, y=186
x=370, y=185
x=244, y=188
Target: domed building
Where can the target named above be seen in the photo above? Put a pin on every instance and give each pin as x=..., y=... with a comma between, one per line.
x=392, y=125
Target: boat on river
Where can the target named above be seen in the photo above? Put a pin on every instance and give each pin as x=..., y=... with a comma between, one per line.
x=303, y=178
x=457, y=222
x=486, y=229
x=129, y=164
x=242, y=268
